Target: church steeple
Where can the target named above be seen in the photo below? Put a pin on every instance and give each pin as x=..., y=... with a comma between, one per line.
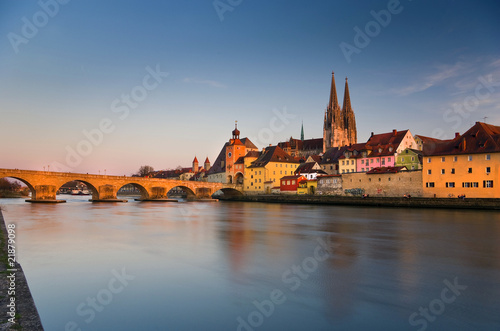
x=346, y=107
x=348, y=117
x=302, y=132
x=236, y=132
x=334, y=102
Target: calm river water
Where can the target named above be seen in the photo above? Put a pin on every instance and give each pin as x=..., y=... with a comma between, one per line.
x=251, y=266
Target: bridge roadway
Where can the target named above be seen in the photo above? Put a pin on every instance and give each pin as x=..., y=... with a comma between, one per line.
x=44, y=185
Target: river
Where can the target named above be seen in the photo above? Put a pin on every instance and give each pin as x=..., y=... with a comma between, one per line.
x=255, y=266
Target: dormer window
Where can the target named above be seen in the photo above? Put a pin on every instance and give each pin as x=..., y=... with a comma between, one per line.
x=391, y=149
x=380, y=150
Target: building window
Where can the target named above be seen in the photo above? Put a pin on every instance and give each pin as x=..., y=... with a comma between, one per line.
x=450, y=184
x=388, y=159
x=293, y=182
x=443, y=159
x=389, y=179
x=428, y=160
x=343, y=162
x=488, y=183
x=442, y=171
x=383, y=161
x=402, y=159
x=331, y=167
x=488, y=170
x=379, y=179
x=469, y=158
x=287, y=182
x=352, y=162
x=488, y=157
x=469, y=170
x=362, y=161
x=371, y=161
x=455, y=159
x=475, y=184
x=413, y=158
x=429, y=171
x=343, y=171
x=281, y=172
x=452, y=171
x=429, y=184
x=412, y=167
x=362, y=169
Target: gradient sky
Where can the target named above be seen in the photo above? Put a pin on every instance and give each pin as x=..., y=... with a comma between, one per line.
x=424, y=71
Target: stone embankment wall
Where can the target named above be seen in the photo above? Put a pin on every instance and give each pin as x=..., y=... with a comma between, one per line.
x=485, y=204
x=26, y=317
x=384, y=185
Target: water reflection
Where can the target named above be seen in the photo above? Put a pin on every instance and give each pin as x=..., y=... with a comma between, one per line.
x=203, y=265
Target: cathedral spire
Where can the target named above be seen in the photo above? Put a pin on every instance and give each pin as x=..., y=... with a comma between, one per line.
x=334, y=102
x=348, y=117
x=347, y=99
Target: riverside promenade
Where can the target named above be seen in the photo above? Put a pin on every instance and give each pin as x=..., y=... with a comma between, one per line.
x=451, y=203
x=13, y=284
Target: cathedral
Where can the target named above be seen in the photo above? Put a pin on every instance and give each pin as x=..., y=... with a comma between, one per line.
x=339, y=128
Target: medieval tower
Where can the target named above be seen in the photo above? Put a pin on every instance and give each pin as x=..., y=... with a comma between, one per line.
x=339, y=128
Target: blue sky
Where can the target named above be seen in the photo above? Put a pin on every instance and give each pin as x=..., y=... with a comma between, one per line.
x=433, y=68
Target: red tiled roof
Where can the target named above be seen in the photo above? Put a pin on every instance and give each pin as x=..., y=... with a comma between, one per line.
x=292, y=177
x=480, y=138
x=391, y=138
x=386, y=170
x=272, y=154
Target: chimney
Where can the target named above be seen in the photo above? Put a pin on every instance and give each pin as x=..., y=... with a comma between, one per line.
x=457, y=134
x=394, y=132
x=371, y=135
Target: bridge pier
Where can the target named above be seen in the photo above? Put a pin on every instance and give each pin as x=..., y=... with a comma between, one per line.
x=44, y=194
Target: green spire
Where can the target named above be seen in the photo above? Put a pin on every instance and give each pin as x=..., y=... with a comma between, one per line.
x=302, y=132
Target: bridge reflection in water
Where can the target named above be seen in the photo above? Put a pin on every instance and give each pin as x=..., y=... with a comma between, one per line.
x=45, y=184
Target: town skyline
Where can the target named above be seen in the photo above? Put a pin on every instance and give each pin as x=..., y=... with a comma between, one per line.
x=71, y=76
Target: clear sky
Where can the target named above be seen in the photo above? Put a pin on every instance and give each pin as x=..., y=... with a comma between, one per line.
x=67, y=67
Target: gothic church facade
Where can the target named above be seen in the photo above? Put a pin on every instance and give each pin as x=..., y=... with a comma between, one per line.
x=339, y=128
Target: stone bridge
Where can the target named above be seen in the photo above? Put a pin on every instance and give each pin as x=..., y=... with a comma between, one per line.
x=45, y=184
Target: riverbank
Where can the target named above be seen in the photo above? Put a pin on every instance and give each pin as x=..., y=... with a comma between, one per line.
x=490, y=204
x=13, y=280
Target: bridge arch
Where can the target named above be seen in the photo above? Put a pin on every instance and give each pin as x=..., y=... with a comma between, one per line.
x=144, y=192
x=228, y=192
x=189, y=192
x=93, y=190
x=25, y=182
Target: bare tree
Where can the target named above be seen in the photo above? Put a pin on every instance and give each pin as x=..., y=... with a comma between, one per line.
x=145, y=170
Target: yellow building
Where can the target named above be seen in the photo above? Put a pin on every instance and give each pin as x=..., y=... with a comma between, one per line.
x=272, y=164
x=348, y=161
x=466, y=165
x=308, y=187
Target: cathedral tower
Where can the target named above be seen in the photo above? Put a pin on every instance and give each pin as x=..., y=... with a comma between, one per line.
x=339, y=128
